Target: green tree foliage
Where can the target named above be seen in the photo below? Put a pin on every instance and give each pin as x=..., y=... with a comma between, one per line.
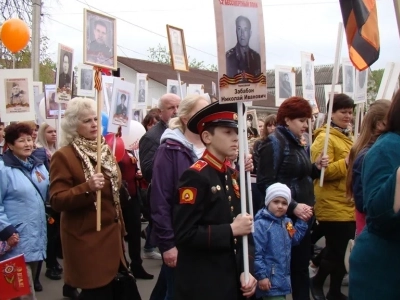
x=161, y=54
x=374, y=82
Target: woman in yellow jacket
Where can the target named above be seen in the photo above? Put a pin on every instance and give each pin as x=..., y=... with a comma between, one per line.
x=334, y=212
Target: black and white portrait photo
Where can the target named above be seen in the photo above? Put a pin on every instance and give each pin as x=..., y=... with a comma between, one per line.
x=240, y=56
x=142, y=91
x=309, y=82
x=362, y=79
x=85, y=85
x=86, y=79
x=348, y=79
x=137, y=115
x=173, y=89
x=65, y=70
x=285, y=86
x=99, y=40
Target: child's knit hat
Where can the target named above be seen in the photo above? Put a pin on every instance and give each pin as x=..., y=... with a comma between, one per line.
x=277, y=190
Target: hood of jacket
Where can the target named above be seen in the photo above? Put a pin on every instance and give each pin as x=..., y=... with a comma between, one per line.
x=264, y=213
x=332, y=131
x=177, y=135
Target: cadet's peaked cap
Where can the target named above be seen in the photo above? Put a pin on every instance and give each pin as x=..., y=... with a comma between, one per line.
x=214, y=114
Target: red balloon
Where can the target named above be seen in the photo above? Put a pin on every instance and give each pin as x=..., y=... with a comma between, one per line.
x=119, y=145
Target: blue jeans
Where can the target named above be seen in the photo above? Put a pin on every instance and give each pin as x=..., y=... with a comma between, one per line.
x=164, y=288
x=147, y=246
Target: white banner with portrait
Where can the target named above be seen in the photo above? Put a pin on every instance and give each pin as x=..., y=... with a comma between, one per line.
x=241, y=50
x=361, y=92
x=51, y=106
x=348, y=74
x=142, y=89
x=107, y=85
x=85, y=86
x=16, y=86
x=122, y=104
x=177, y=48
x=173, y=88
x=195, y=89
x=327, y=90
x=285, y=83
x=64, y=74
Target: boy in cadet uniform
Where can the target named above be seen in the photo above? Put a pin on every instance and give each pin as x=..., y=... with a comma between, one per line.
x=207, y=231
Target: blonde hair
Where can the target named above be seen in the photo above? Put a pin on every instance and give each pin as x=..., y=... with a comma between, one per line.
x=75, y=109
x=41, y=139
x=185, y=108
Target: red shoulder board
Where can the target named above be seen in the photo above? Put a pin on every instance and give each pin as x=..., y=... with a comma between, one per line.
x=199, y=165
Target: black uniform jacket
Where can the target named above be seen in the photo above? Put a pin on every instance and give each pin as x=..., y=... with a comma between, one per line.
x=209, y=256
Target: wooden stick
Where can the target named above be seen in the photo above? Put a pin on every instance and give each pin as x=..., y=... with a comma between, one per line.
x=357, y=122
x=335, y=74
x=180, y=83
x=99, y=138
x=242, y=137
x=248, y=175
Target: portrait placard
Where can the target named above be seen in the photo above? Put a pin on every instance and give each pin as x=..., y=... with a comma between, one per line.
x=285, y=84
x=64, y=74
x=213, y=89
x=107, y=85
x=121, y=105
x=252, y=124
x=85, y=81
x=195, y=89
x=17, y=88
x=177, y=48
x=142, y=86
x=348, y=73
x=37, y=91
x=99, y=40
x=389, y=81
x=154, y=102
x=50, y=104
x=137, y=115
x=360, y=95
x=241, y=50
x=173, y=88
x=328, y=88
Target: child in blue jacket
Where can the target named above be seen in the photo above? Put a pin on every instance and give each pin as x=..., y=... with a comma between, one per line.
x=274, y=237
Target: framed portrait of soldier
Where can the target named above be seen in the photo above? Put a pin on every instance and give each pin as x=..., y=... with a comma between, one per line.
x=137, y=115
x=85, y=81
x=285, y=85
x=177, y=48
x=99, y=40
x=50, y=104
x=361, y=91
x=173, y=88
x=241, y=51
x=307, y=76
x=64, y=74
x=252, y=124
x=16, y=86
x=142, y=84
x=121, y=105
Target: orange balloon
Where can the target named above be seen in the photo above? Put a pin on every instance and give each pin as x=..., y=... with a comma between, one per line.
x=0, y=31
x=15, y=34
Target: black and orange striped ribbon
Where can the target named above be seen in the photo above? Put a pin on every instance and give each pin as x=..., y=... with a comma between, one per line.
x=360, y=20
x=97, y=79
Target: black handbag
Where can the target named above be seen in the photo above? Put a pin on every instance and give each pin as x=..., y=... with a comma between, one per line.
x=124, y=286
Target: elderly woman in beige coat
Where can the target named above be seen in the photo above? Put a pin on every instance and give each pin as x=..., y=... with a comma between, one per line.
x=92, y=258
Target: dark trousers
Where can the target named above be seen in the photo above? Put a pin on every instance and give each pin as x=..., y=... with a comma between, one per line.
x=337, y=235
x=133, y=226
x=101, y=293
x=300, y=260
x=164, y=288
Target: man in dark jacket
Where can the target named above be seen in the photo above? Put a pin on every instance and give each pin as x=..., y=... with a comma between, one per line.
x=149, y=143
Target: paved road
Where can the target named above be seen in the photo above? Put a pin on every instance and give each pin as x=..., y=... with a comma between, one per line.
x=52, y=290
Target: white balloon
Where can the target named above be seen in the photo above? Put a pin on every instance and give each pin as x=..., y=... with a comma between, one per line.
x=136, y=131
x=42, y=114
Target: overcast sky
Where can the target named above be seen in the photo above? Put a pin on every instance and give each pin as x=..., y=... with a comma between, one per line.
x=291, y=26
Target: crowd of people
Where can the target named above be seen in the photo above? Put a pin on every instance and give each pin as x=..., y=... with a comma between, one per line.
x=185, y=182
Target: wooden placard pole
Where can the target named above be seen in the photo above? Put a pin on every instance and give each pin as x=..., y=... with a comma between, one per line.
x=332, y=93
x=242, y=175
x=99, y=93
x=357, y=122
x=248, y=175
x=180, y=83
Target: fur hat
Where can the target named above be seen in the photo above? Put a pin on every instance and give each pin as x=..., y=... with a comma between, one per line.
x=277, y=190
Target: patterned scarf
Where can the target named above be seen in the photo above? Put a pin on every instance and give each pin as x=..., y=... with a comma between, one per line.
x=87, y=151
x=28, y=164
x=345, y=131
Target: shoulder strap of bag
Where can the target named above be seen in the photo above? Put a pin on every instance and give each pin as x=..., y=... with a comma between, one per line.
x=33, y=183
